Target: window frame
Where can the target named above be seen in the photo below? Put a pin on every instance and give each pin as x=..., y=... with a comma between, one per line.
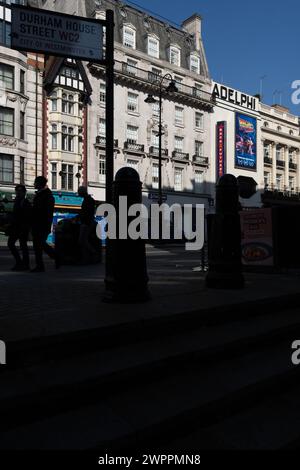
x=12, y=160
x=133, y=31
x=155, y=51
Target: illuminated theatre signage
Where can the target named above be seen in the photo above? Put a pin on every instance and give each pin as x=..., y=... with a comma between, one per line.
x=221, y=149
x=235, y=97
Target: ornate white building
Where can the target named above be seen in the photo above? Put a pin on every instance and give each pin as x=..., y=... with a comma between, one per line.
x=146, y=49
x=281, y=151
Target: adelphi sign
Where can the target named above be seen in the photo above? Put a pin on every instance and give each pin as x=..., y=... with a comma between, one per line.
x=235, y=97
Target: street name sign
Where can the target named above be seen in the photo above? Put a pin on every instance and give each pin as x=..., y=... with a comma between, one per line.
x=45, y=32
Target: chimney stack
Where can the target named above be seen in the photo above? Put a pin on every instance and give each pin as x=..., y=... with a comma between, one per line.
x=193, y=26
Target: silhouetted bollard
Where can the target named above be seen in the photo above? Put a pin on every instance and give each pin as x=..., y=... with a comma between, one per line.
x=225, y=260
x=128, y=280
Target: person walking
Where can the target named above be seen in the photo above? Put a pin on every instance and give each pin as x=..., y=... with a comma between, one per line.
x=19, y=229
x=42, y=216
x=87, y=223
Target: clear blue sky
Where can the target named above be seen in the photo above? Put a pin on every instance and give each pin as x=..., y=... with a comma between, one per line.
x=245, y=40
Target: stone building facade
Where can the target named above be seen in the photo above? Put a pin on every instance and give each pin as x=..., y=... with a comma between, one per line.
x=146, y=49
x=21, y=85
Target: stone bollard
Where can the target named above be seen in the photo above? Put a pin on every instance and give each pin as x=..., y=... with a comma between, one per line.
x=225, y=260
x=127, y=279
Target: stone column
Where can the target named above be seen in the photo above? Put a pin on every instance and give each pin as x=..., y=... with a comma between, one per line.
x=287, y=167
x=274, y=169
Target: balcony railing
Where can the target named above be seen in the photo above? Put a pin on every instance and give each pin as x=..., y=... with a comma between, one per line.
x=293, y=166
x=150, y=77
x=134, y=147
x=177, y=155
x=155, y=151
x=101, y=141
x=280, y=164
x=203, y=161
x=268, y=160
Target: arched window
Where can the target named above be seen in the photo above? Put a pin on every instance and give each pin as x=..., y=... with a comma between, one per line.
x=54, y=101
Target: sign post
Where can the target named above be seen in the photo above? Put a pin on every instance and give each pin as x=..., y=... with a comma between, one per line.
x=56, y=34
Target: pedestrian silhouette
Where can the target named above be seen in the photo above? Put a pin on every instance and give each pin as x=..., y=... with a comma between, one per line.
x=19, y=229
x=87, y=224
x=42, y=216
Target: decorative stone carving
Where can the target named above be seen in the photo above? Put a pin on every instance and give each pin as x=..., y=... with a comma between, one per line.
x=8, y=141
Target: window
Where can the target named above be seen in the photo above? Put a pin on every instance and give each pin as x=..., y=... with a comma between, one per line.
x=132, y=164
x=194, y=64
x=22, y=125
x=53, y=97
x=22, y=82
x=278, y=153
x=102, y=168
x=155, y=175
x=155, y=108
x=198, y=180
x=155, y=139
x=102, y=93
x=179, y=81
x=266, y=150
x=132, y=102
x=67, y=177
x=178, y=144
x=199, y=120
x=178, y=115
x=54, y=136
x=5, y=27
x=154, y=74
x=102, y=127
x=178, y=179
x=279, y=182
x=68, y=139
x=7, y=78
x=54, y=175
x=267, y=179
x=291, y=155
x=153, y=47
x=22, y=170
x=67, y=104
x=7, y=118
x=6, y=168
x=132, y=134
x=175, y=55
x=291, y=183
x=199, y=148
x=129, y=37
x=131, y=67
x=197, y=90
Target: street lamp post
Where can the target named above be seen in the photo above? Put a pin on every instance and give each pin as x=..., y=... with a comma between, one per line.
x=171, y=88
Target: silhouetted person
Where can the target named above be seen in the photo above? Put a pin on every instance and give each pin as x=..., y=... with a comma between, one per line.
x=19, y=229
x=87, y=224
x=42, y=216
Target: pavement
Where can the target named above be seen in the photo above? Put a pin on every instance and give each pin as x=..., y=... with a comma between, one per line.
x=70, y=299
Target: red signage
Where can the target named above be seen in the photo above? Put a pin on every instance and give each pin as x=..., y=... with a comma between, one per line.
x=221, y=149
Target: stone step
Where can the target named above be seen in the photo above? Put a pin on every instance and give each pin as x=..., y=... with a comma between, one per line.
x=39, y=350
x=169, y=403
x=273, y=424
